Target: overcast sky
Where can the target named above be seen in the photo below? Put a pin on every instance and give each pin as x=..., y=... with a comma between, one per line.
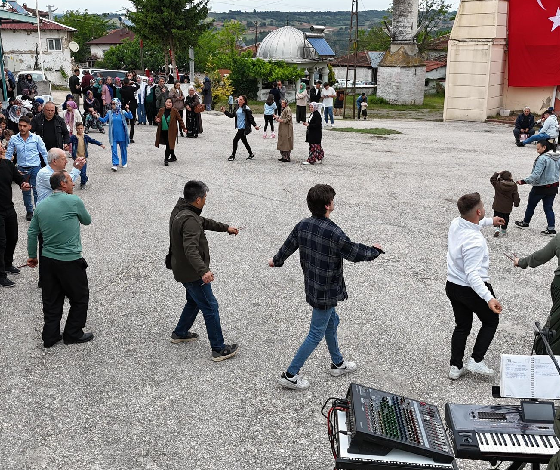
x=107, y=6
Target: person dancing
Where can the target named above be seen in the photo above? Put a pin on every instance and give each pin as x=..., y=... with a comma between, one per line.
x=193, y=120
x=118, y=132
x=243, y=122
x=168, y=120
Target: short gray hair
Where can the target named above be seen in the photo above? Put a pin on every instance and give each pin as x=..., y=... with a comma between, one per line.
x=53, y=154
x=526, y=107
x=57, y=178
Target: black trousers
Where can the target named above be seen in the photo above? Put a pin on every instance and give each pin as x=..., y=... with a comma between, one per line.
x=301, y=115
x=64, y=279
x=132, y=126
x=269, y=119
x=277, y=111
x=8, y=239
x=241, y=136
x=504, y=216
x=517, y=133
x=465, y=302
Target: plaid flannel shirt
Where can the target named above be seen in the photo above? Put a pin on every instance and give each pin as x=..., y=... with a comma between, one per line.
x=322, y=246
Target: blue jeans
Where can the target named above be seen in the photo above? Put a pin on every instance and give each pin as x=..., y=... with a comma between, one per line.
x=208, y=107
x=30, y=175
x=329, y=112
x=141, y=113
x=547, y=201
x=324, y=323
x=83, y=176
x=115, y=155
x=536, y=137
x=200, y=297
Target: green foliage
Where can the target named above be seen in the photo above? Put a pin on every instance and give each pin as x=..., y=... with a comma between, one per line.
x=374, y=39
x=221, y=88
x=374, y=99
x=127, y=56
x=63, y=73
x=331, y=75
x=88, y=26
x=173, y=24
x=433, y=14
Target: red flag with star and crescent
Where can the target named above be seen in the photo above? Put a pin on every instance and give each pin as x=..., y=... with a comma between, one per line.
x=534, y=43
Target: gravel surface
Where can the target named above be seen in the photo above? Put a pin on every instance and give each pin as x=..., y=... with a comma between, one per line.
x=131, y=399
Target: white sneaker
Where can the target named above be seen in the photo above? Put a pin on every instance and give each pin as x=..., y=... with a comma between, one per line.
x=478, y=367
x=332, y=124
x=273, y=135
x=455, y=372
x=295, y=383
x=306, y=163
x=125, y=165
x=114, y=168
x=345, y=368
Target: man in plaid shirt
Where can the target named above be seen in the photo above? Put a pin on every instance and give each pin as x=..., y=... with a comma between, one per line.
x=322, y=245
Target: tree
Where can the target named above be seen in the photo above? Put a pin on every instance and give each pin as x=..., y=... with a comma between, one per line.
x=374, y=39
x=173, y=24
x=88, y=26
x=128, y=56
x=431, y=16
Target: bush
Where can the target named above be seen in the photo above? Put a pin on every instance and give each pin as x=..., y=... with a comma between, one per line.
x=376, y=100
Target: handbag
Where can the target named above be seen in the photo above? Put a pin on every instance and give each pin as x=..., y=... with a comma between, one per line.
x=199, y=108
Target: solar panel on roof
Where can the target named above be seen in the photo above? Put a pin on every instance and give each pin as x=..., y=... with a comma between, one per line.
x=18, y=8
x=321, y=46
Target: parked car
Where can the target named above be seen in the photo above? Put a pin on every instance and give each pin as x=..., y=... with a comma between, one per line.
x=43, y=84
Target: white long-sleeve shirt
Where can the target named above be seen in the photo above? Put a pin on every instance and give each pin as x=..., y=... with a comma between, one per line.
x=467, y=256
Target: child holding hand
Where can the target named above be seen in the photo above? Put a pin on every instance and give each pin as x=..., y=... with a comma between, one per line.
x=506, y=196
x=80, y=142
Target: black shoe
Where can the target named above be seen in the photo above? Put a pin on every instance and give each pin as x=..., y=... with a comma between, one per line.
x=166, y=163
x=231, y=158
x=250, y=157
x=131, y=141
x=51, y=343
x=521, y=224
x=229, y=350
x=84, y=339
x=544, y=232
x=29, y=216
x=520, y=144
x=5, y=282
x=102, y=131
x=190, y=336
x=82, y=186
x=173, y=159
x=12, y=270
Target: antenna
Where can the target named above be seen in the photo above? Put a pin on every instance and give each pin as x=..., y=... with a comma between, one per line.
x=353, y=47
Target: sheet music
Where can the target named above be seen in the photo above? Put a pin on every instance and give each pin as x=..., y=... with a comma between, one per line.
x=529, y=377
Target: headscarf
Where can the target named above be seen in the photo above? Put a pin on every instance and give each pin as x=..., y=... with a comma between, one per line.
x=15, y=112
x=40, y=100
x=89, y=97
x=29, y=85
x=69, y=114
x=150, y=81
x=69, y=97
x=314, y=105
x=118, y=82
x=98, y=83
x=118, y=105
x=302, y=87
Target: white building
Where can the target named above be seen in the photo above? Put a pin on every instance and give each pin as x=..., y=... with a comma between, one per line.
x=21, y=46
x=309, y=51
x=99, y=46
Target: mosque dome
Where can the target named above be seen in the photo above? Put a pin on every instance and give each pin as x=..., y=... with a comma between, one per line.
x=288, y=44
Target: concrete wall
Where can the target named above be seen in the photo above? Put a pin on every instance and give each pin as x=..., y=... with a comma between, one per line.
x=402, y=85
x=98, y=50
x=364, y=74
x=476, y=61
x=20, y=54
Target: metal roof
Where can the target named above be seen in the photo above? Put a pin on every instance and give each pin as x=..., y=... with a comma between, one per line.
x=321, y=46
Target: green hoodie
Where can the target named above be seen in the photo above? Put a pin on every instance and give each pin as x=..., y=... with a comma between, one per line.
x=543, y=255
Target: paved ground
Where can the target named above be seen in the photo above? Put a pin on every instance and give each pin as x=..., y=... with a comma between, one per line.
x=132, y=400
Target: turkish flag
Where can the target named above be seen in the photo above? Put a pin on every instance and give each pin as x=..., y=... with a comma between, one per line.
x=534, y=43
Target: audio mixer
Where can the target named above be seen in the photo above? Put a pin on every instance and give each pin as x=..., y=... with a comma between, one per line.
x=380, y=421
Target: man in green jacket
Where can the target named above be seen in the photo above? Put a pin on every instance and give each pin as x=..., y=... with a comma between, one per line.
x=190, y=262
x=58, y=219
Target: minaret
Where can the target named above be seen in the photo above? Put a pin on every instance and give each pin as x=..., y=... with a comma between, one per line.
x=402, y=72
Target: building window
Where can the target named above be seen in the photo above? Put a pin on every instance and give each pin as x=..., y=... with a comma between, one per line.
x=54, y=44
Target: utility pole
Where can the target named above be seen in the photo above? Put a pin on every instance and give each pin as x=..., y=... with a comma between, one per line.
x=353, y=48
x=256, y=23
x=51, y=11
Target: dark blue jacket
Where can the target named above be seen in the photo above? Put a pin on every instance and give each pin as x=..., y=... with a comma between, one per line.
x=322, y=246
x=87, y=140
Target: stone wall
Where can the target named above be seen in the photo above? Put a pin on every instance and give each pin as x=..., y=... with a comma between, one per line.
x=401, y=85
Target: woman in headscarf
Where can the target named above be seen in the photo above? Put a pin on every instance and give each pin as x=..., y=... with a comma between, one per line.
x=118, y=132
x=37, y=106
x=91, y=105
x=207, y=92
x=178, y=99
x=69, y=97
x=193, y=120
x=14, y=113
x=29, y=86
x=314, y=135
x=285, y=132
x=118, y=86
x=168, y=120
x=301, y=103
x=107, y=94
x=71, y=116
x=96, y=86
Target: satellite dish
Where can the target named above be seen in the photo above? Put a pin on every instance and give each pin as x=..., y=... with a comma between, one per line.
x=73, y=46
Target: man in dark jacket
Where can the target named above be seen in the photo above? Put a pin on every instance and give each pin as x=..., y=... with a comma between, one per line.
x=524, y=124
x=315, y=93
x=75, y=87
x=322, y=246
x=8, y=219
x=51, y=128
x=190, y=262
x=128, y=97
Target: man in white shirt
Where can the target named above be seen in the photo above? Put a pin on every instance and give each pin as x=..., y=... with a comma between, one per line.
x=57, y=162
x=328, y=95
x=468, y=286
